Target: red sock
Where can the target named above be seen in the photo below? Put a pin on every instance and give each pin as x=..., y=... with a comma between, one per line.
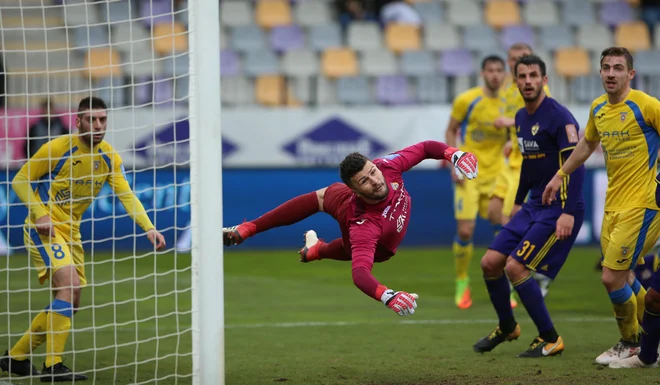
x=334, y=250
x=288, y=213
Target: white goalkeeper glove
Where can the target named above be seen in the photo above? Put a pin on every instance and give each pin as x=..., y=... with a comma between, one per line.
x=401, y=302
x=465, y=164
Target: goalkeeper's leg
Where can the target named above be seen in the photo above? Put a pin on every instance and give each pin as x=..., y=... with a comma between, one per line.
x=315, y=249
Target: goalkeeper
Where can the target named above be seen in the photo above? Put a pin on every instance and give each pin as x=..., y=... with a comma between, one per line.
x=68, y=173
x=373, y=210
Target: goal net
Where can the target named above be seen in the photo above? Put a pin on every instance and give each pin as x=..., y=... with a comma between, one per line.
x=135, y=322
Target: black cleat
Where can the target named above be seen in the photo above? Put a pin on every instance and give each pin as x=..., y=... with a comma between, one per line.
x=22, y=368
x=495, y=338
x=541, y=348
x=60, y=373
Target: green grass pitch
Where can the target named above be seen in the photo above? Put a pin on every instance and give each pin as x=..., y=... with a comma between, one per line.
x=294, y=323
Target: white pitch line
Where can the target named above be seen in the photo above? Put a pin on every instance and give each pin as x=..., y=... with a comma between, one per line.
x=402, y=322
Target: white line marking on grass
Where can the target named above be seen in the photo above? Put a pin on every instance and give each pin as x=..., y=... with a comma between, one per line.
x=403, y=322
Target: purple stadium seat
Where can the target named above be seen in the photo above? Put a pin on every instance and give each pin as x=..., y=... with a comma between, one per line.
x=457, y=62
x=142, y=90
x=393, y=89
x=517, y=34
x=163, y=90
x=615, y=13
x=286, y=38
x=229, y=63
x=157, y=11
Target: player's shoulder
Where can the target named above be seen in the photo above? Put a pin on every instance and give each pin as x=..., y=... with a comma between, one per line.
x=642, y=99
x=557, y=109
x=470, y=95
x=61, y=145
x=598, y=103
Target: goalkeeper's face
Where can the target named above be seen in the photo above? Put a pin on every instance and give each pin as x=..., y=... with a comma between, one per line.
x=91, y=125
x=369, y=184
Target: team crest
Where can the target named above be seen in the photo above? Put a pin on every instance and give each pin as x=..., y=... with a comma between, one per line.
x=96, y=165
x=623, y=115
x=625, y=250
x=535, y=129
x=394, y=185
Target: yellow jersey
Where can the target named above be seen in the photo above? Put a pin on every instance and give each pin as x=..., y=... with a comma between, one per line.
x=514, y=102
x=628, y=132
x=64, y=176
x=476, y=112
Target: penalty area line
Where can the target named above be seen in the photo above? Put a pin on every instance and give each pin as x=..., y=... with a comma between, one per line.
x=404, y=322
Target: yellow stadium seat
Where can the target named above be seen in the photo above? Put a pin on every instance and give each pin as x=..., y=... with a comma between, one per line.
x=634, y=35
x=572, y=62
x=339, y=62
x=270, y=90
x=634, y=3
x=402, y=37
x=102, y=62
x=170, y=37
x=500, y=13
x=272, y=13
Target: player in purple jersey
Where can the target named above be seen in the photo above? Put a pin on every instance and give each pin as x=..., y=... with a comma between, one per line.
x=372, y=208
x=538, y=237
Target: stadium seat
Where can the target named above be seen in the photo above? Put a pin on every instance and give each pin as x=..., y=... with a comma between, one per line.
x=300, y=63
x=402, y=37
x=380, y=62
x=553, y=37
x=430, y=11
x=248, y=38
x=81, y=14
x=432, y=89
x=286, y=38
x=464, y=13
x=236, y=91
x=175, y=65
x=633, y=35
x=311, y=13
x=393, y=90
x=301, y=88
x=155, y=12
x=541, y=13
x=141, y=61
x=323, y=37
x=271, y=13
x=270, y=90
x=85, y=37
x=235, y=13
x=513, y=34
x=117, y=11
x=170, y=38
x=501, y=13
x=457, y=62
x=440, y=36
x=417, y=63
x=339, y=62
x=112, y=90
x=125, y=35
x=479, y=37
x=102, y=62
x=364, y=36
x=354, y=90
x=577, y=13
x=594, y=37
x=230, y=63
x=613, y=13
x=163, y=91
x=572, y=62
x=261, y=63
x=656, y=35
x=646, y=62
x=584, y=89
x=326, y=91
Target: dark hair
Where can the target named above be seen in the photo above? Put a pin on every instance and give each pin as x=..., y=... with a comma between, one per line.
x=351, y=165
x=618, y=51
x=530, y=60
x=492, y=59
x=91, y=103
x=521, y=46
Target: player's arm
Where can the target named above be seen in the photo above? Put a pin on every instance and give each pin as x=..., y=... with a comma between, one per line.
x=571, y=188
x=35, y=168
x=464, y=163
x=364, y=237
x=651, y=112
x=131, y=203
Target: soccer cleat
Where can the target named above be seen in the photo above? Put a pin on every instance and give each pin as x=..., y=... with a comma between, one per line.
x=60, y=373
x=235, y=235
x=20, y=368
x=463, y=297
x=495, y=338
x=311, y=250
x=631, y=363
x=622, y=349
x=540, y=348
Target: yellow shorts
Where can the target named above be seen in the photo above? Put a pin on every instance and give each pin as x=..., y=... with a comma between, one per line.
x=49, y=254
x=627, y=235
x=506, y=187
x=472, y=198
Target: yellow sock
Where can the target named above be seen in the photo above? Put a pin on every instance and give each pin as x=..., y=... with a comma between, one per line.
x=639, y=293
x=32, y=338
x=462, y=257
x=59, y=325
x=625, y=310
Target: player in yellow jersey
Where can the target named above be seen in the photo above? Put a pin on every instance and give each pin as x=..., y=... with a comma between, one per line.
x=471, y=124
x=626, y=123
x=69, y=172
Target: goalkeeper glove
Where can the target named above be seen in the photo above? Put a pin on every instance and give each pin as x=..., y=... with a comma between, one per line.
x=465, y=164
x=401, y=302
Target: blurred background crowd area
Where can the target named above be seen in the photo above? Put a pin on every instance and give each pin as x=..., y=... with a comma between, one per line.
x=313, y=52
